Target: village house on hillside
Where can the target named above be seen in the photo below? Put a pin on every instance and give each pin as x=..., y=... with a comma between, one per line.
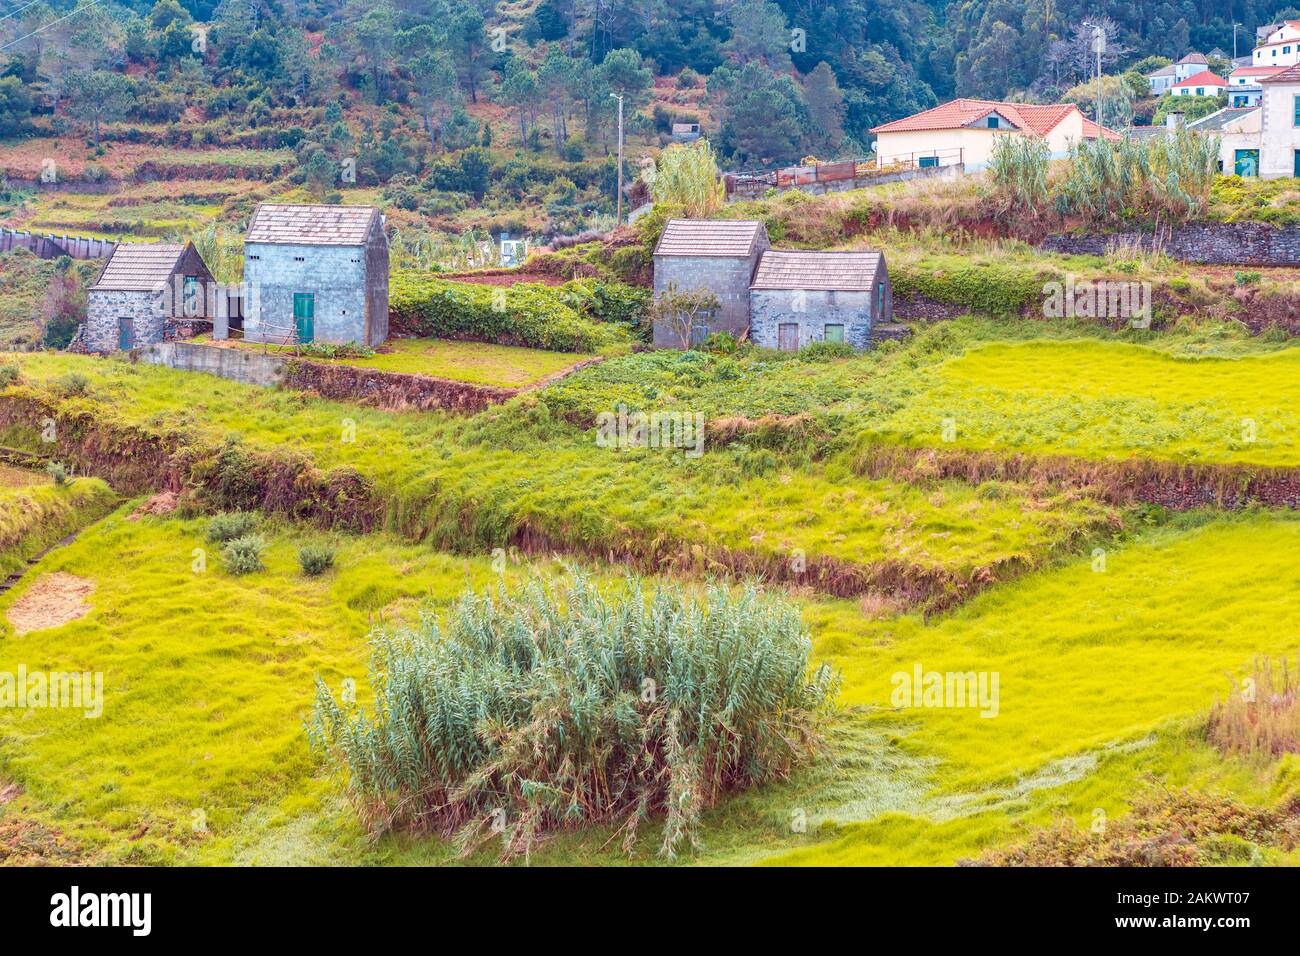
x=963, y=132
x=143, y=293
x=798, y=298
x=780, y=299
x=1167, y=76
x=316, y=273
x=719, y=255
x=1280, y=46
x=1204, y=83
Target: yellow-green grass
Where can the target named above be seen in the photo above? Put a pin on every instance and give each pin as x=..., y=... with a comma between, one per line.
x=1087, y=659
x=1108, y=400
x=207, y=677
x=509, y=471
x=478, y=363
x=36, y=516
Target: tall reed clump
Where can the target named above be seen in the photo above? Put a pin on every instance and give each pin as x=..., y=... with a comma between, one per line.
x=552, y=707
x=687, y=176
x=1165, y=179
x=1263, y=716
x=1018, y=171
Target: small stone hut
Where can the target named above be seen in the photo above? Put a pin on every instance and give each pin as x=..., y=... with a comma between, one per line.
x=145, y=293
x=798, y=298
x=316, y=273
x=715, y=254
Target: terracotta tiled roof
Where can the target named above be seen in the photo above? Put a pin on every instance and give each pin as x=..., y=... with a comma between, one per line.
x=311, y=225
x=1256, y=70
x=1204, y=78
x=1091, y=131
x=727, y=238
x=1194, y=58
x=1169, y=70
x=139, y=267
x=1290, y=75
x=1030, y=117
x=818, y=271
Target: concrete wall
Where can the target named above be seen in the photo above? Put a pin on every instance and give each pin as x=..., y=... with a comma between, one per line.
x=103, y=310
x=812, y=312
x=238, y=365
x=728, y=279
x=350, y=284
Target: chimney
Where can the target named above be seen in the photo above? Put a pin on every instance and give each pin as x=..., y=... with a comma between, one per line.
x=1174, y=121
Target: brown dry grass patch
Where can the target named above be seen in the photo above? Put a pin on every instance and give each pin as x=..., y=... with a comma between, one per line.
x=54, y=600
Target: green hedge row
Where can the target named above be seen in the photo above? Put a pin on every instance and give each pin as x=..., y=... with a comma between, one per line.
x=986, y=288
x=570, y=318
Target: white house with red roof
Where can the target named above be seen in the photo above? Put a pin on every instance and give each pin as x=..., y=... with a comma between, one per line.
x=965, y=130
x=1243, y=84
x=1204, y=83
x=1280, y=48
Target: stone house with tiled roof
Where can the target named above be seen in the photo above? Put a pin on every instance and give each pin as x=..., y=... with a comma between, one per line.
x=719, y=255
x=144, y=293
x=316, y=273
x=964, y=131
x=798, y=298
x=780, y=299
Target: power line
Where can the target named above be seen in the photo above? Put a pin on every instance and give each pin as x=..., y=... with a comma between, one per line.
x=48, y=25
x=19, y=10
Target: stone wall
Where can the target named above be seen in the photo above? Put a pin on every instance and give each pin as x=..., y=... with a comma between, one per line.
x=335, y=275
x=104, y=309
x=728, y=279
x=812, y=312
x=1227, y=243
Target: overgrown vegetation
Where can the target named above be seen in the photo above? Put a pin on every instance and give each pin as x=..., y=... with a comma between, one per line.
x=550, y=708
x=1262, y=715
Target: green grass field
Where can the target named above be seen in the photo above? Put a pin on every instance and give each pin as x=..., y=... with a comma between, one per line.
x=478, y=363
x=200, y=754
x=35, y=515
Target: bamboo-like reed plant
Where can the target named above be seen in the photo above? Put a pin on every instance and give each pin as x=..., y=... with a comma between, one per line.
x=555, y=707
x=1161, y=180
x=687, y=176
x=1018, y=171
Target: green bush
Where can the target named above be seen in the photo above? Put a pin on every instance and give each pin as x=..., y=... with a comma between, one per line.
x=315, y=559
x=334, y=350
x=231, y=525
x=985, y=287
x=72, y=384
x=8, y=374
x=826, y=351
x=564, y=707
x=527, y=313
x=57, y=472
x=244, y=555
x=1248, y=278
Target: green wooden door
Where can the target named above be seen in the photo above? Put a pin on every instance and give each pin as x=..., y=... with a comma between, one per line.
x=834, y=333
x=125, y=334
x=1295, y=169
x=304, y=316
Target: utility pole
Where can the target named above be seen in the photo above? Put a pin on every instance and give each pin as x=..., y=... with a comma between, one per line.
x=1099, y=44
x=1234, y=44
x=618, y=217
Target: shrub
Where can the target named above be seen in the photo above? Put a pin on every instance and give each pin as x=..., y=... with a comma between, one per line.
x=1165, y=829
x=72, y=384
x=315, y=559
x=334, y=350
x=8, y=374
x=244, y=555
x=826, y=351
x=1263, y=717
x=1248, y=278
x=57, y=472
x=567, y=707
x=231, y=525
x=526, y=314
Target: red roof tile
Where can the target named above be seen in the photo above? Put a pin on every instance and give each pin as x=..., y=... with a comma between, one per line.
x=1290, y=75
x=1029, y=117
x=1204, y=78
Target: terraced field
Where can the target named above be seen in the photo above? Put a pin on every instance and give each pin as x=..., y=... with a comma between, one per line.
x=1108, y=632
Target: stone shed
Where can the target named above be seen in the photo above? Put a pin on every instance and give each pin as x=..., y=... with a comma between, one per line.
x=717, y=255
x=798, y=298
x=145, y=293
x=315, y=273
